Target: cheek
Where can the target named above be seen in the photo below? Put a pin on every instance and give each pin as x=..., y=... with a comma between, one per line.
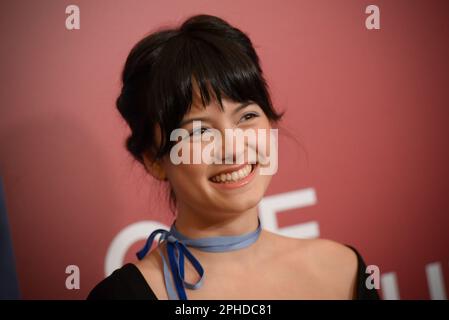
x=185, y=177
x=264, y=182
x=266, y=140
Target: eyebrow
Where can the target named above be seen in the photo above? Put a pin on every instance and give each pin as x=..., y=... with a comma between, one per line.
x=240, y=107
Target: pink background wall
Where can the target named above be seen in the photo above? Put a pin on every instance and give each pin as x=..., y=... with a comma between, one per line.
x=370, y=108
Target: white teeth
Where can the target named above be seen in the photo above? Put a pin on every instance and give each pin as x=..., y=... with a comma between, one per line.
x=233, y=176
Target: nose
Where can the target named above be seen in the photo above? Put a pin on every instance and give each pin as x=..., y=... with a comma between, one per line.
x=231, y=150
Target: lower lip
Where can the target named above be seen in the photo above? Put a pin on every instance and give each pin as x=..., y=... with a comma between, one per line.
x=237, y=184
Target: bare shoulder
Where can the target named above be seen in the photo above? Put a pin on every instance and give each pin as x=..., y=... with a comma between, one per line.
x=333, y=263
x=151, y=267
x=323, y=252
x=329, y=253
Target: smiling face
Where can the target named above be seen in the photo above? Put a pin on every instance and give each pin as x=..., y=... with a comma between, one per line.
x=219, y=188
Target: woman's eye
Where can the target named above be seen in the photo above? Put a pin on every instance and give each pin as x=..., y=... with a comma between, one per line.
x=199, y=131
x=249, y=116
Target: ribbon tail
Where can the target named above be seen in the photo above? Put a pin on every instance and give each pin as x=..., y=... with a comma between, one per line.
x=179, y=282
x=172, y=295
x=196, y=264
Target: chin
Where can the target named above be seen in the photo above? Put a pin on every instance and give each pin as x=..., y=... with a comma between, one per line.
x=241, y=203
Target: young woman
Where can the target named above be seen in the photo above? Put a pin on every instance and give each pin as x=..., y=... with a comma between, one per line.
x=208, y=70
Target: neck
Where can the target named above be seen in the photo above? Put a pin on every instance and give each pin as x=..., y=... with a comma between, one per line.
x=195, y=225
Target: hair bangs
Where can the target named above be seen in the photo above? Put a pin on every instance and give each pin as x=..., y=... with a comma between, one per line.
x=208, y=68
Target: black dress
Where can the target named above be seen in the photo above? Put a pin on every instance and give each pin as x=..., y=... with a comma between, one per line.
x=128, y=283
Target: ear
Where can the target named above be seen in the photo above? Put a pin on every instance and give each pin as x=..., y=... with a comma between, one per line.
x=154, y=167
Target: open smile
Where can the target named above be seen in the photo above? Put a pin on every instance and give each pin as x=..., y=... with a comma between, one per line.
x=235, y=177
